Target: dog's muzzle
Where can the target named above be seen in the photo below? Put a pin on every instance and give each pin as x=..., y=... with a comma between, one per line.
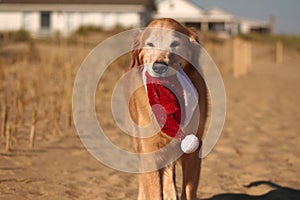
x=160, y=67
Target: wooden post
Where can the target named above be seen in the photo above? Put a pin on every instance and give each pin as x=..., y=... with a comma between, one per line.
x=32, y=130
x=4, y=120
x=236, y=58
x=249, y=56
x=279, y=53
x=244, y=58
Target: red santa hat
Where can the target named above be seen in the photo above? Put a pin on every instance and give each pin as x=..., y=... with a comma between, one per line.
x=177, y=99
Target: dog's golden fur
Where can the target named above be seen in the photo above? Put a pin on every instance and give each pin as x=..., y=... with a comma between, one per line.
x=160, y=184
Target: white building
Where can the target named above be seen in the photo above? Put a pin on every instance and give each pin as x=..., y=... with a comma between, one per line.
x=213, y=19
x=251, y=25
x=181, y=10
x=221, y=21
x=41, y=17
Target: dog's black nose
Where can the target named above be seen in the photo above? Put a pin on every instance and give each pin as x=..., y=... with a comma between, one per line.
x=160, y=67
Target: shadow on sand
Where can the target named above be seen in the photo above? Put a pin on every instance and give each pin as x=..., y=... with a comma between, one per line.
x=279, y=193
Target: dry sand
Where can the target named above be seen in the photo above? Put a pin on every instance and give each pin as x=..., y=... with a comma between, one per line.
x=260, y=141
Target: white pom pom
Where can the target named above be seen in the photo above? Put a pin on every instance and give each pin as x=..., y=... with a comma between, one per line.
x=189, y=144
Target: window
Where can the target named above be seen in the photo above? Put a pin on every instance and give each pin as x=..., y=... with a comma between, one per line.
x=45, y=20
x=216, y=26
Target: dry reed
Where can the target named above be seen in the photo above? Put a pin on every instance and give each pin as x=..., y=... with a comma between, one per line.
x=39, y=77
x=8, y=138
x=32, y=129
x=4, y=119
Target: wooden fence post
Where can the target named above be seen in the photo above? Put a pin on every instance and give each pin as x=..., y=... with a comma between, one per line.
x=249, y=49
x=242, y=57
x=236, y=64
x=247, y=56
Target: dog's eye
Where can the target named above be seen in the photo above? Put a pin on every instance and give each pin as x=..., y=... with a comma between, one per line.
x=174, y=44
x=150, y=44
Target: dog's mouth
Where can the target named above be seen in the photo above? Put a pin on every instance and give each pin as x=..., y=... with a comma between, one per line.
x=160, y=67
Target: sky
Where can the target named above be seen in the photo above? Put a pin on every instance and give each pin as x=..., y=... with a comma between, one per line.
x=286, y=12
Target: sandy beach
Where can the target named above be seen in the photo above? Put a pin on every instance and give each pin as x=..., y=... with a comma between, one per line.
x=260, y=142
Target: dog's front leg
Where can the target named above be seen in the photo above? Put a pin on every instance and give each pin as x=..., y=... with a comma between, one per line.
x=191, y=166
x=150, y=183
x=169, y=186
x=150, y=186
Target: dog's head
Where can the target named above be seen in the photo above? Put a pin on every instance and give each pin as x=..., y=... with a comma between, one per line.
x=164, y=46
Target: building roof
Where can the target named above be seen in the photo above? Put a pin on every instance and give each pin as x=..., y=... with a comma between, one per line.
x=254, y=22
x=216, y=14
x=181, y=10
x=132, y=2
x=78, y=5
x=217, y=10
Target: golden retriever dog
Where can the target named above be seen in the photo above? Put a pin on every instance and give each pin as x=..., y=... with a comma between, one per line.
x=150, y=53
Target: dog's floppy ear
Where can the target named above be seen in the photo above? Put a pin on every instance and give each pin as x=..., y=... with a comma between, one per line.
x=193, y=35
x=195, y=44
x=135, y=59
